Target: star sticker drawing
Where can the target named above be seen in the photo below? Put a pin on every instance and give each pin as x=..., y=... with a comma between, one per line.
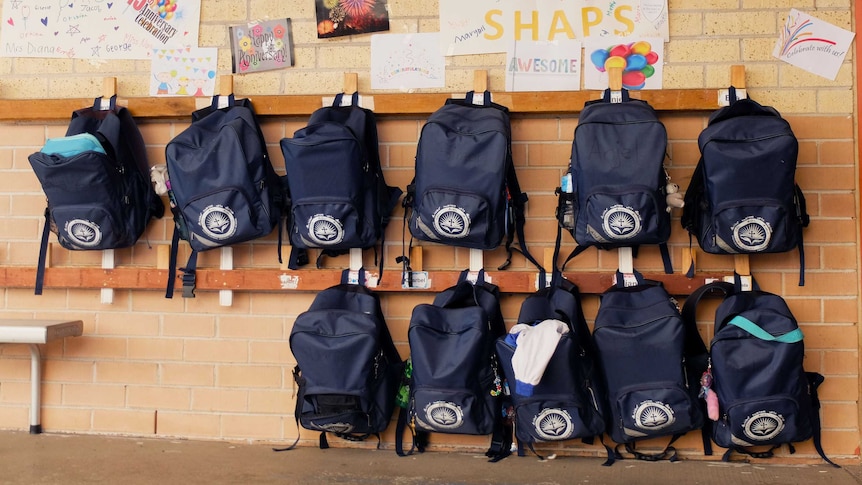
x=96, y=51
x=16, y=3
x=74, y=29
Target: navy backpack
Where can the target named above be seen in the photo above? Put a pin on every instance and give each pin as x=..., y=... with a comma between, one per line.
x=743, y=197
x=456, y=384
x=617, y=194
x=564, y=404
x=337, y=197
x=97, y=182
x=465, y=192
x=765, y=397
x=651, y=360
x=223, y=189
x=347, y=367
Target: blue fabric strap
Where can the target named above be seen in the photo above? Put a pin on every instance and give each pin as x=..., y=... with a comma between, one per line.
x=756, y=331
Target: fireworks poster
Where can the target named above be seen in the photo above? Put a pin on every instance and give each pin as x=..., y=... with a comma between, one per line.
x=336, y=18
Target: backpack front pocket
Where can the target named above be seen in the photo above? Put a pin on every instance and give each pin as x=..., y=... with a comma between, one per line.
x=622, y=218
x=335, y=413
x=328, y=223
x=457, y=218
x=88, y=227
x=661, y=409
x=754, y=226
x=222, y=218
x=768, y=421
x=551, y=419
x=452, y=411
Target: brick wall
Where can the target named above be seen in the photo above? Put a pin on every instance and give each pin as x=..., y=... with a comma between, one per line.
x=191, y=368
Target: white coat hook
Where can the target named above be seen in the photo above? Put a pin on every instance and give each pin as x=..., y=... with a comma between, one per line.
x=225, y=297
x=480, y=85
x=107, y=294
x=615, y=83
x=109, y=90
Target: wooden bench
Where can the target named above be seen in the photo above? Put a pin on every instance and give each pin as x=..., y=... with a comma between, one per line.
x=33, y=333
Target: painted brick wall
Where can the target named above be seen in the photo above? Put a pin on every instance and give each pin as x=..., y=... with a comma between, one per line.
x=191, y=368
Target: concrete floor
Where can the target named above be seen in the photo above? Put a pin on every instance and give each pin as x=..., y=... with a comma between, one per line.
x=86, y=459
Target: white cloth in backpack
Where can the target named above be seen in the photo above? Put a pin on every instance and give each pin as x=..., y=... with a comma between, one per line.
x=535, y=344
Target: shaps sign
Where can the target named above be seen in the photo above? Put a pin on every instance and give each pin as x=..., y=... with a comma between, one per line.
x=486, y=26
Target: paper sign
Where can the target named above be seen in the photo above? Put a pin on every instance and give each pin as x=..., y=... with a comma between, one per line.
x=544, y=66
x=641, y=60
x=183, y=72
x=261, y=46
x=487, y=26
x=97, y=29
x=407, y=61
x=812, y=45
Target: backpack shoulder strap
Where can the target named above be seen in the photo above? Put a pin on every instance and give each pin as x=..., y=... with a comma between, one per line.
x=517, y=219
x=689, y=309
x=43, y=253
x=814, y=381
x=804, y=219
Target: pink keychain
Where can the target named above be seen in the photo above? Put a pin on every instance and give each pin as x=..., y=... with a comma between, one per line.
x=708, y=394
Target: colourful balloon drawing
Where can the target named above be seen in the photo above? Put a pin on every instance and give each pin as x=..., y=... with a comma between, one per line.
x=166, y=8
x=636, y=59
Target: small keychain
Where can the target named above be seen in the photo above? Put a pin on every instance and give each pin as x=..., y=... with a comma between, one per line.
x=498, y=386
x=708, y=394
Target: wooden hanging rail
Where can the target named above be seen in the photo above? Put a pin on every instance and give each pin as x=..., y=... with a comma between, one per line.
x=12, y=110
x=274, y=280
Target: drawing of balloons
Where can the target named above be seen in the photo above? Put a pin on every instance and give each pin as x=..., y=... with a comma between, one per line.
x=615, y=61
x=167, y=8
x=25, y=13
x=637, y=59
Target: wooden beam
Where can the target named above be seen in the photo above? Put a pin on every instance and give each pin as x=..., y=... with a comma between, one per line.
x=351, y=82
x=480, y=80
x=271, y=280
x=225, y=85
x=416, y=263
x=109, y=87
x=568, y=102
x=737, y=76
x=615, y=78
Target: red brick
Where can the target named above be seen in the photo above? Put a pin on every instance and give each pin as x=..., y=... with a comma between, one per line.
x=682, y=126
x=830, y=337
x=817, y=127
x=535, y=129
x=398, y=130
